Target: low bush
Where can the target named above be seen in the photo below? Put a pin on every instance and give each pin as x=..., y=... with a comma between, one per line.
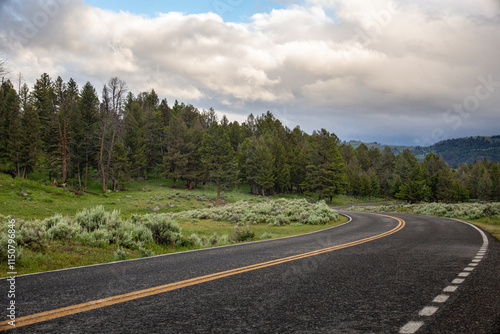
x=273, y=212
x=120, y=254
x=241, y=235
x=164, y=231
x=468, y=211
x=266, y=235
x=146, y=252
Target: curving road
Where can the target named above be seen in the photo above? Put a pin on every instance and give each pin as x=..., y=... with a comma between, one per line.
x=375, y=274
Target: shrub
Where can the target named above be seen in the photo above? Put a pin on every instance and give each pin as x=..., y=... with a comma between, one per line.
x=120, y=254
x=240, y=234
x=224, y=240
x=266, y=235
x=195, y=240
x=146, y=252
x=30, y=233
x=164, y=231
x=4, y=240
x=468, y=211
x=274, y=212
x=64, y=229
x=100, y=237
x=91, y=219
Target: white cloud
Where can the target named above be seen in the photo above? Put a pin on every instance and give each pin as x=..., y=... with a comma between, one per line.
x=322, y=58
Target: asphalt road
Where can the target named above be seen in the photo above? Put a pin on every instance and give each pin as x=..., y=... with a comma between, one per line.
x=400, y=281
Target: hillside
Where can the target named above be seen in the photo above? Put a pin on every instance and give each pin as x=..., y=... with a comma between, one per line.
x=453, y=151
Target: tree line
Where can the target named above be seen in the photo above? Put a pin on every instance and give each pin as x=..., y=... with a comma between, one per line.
x=66, y=132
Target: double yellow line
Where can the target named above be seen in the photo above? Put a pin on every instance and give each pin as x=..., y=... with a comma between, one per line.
x=73, y=309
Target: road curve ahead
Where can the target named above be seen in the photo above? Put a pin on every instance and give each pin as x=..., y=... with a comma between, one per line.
x=375, y=274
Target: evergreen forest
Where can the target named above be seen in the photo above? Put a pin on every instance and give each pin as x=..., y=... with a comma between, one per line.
x=71, y=134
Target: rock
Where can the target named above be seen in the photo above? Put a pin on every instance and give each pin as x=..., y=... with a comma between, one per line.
x=117, y=199
x=156, y=208
x=170, y=205
x=128, y=196
x=24, y=194
x=108, y=191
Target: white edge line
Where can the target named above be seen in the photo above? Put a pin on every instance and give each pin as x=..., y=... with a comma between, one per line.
x=184, y=252
x=414, y=326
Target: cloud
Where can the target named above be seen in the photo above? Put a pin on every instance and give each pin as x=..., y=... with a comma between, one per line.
x=329, y=63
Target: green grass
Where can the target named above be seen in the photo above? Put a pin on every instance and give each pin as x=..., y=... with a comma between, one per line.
x=206, y=227
x=47, y=200
x=491, y=225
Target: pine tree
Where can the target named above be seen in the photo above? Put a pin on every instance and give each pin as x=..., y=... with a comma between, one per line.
x=134, y=136
x=413, y=187
x=11, y=118
x=326, y=168
x=84, y=122
x=484, y=186
x=30, y=127
x=119, y=168
x=195, y=170
x=177, y=155
x=218, y=156
x=261, y=164
x=299, y=149
x=66, y=104
x=385, y=171
x=44, y=99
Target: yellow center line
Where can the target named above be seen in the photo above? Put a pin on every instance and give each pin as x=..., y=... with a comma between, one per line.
x=73, y=309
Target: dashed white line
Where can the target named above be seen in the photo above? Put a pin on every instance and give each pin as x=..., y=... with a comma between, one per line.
x=428, y=311
x=440, y=298
x=450, y=288
x=411, y=327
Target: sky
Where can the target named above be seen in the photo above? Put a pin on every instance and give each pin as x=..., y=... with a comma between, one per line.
x=394, y=72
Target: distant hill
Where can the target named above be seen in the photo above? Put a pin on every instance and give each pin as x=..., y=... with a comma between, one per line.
x=453, y=151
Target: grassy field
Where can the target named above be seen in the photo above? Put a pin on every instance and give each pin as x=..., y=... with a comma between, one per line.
x=50, y=238
x=44, y=200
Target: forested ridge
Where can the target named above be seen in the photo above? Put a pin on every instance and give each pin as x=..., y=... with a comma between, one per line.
x=66, y=132
x=453, y=151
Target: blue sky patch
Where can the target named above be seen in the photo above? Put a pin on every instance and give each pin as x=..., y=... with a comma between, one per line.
x=229, y=10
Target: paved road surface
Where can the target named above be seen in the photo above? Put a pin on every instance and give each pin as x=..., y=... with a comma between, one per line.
x=376, y=274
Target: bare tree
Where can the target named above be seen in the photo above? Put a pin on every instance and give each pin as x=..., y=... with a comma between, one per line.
x=113, y=95
x=3, y=68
